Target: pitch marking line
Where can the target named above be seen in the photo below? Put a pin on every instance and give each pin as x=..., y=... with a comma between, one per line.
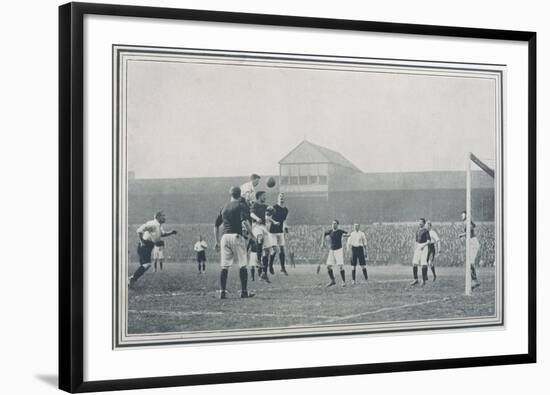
x=403, y=306
x=326, y=319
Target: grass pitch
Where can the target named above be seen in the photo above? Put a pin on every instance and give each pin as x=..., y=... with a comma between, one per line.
x=179, y=299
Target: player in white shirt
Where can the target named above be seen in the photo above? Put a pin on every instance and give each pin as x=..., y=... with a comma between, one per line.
x=149, y=234
x=434, y=248
x=357, y=243
x=248, y=189
x=474, y=248
x=200, y=248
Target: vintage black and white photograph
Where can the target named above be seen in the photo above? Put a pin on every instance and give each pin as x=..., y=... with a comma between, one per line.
x=265, y=195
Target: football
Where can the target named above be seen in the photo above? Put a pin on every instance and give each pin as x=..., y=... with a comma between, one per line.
x=270, y=182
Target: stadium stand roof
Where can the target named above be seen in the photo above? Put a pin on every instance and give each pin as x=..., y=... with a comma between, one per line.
x=307, y=152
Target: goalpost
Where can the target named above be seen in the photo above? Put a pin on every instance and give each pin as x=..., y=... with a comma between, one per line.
x=491, y=173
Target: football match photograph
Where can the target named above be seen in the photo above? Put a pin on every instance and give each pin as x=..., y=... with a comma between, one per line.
x=261, y=195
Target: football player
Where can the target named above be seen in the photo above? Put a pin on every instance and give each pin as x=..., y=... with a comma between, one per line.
x=200, y=248
x=232, y=244
x=474, y=248
x=420, y=256
x=336, y=252
x=357, y=243
x=259, y=231
x=277, y=228
x=149, y=233
x=248, y=189
x=434, y=248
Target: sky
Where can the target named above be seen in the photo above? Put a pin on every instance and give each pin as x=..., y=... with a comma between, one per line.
x=204, y=120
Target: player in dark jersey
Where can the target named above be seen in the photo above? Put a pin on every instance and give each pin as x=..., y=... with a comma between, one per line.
x=254, y=252
x=234, y=218
x=474, y=248
x=420, y=257
x=257, y=213
x=336, y=252
x=277, y=228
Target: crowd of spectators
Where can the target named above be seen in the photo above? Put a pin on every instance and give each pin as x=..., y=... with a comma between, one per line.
x=387, y=243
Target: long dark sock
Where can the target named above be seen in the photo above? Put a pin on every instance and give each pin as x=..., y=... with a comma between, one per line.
x=353, y=274
x=223, y=279
x=259, y=255
x=199, y=267
x=252, y=271
x=424, y=273
x=155, y=266
x=473, y=272
x=271, y=259
x=243, y=274
x=331, y=275
x=365, y=273
x=265, y=263
x=204, y=266
x=343, y=275
x=415, y=272
x=160, y=262
x=139, y=272
x=433, y=270
x=282, y=260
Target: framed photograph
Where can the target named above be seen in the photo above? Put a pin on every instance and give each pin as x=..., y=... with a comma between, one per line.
x=236, y=188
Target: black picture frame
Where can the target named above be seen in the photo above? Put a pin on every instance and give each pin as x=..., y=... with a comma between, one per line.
x=71, y=195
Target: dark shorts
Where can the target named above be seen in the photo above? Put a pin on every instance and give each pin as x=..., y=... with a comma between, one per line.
x=431, y=252
x=358, y=254
x=159, y=243
x=144, y=252
x=201, y=256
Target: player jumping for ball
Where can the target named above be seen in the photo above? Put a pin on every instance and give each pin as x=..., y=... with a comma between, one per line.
x=474, y=248
x=434, y=248
x=336, y=252
x=420, y=256
x=200, y=248
x=277, y=228
x=149, y=233
x=248, y=189
x=234, y=218
x=357, y=243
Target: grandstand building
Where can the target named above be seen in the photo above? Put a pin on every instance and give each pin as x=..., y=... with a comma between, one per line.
x=321, y=184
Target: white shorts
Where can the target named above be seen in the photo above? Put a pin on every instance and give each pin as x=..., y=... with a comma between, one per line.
x=233, y=250
x=253, y=260
x=158, y=253
x=335, y=257
x=420, y=256
x=277, y=239
x=474, y=249
x=260, y=229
